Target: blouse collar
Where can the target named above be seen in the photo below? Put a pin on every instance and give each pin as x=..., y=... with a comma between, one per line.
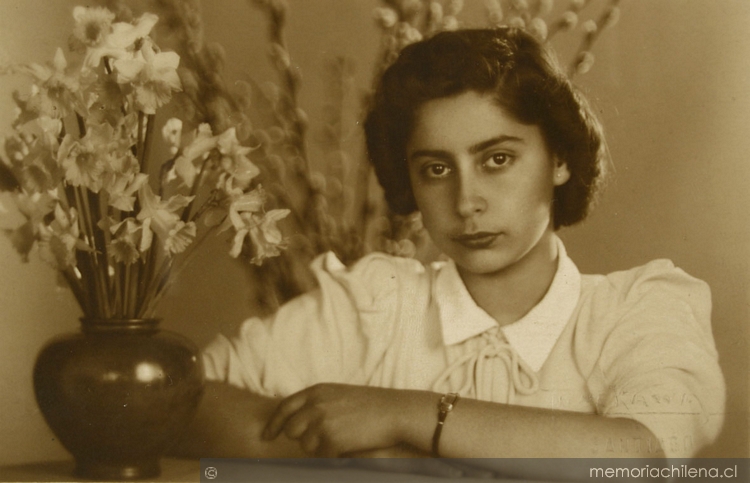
x=534, y=335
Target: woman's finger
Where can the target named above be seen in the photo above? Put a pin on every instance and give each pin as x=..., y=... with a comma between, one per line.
x=310, y=441
x=300, y=422
x=313, y=439
x=284, y=411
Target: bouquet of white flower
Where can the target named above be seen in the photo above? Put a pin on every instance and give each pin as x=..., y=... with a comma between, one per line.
x=78, y=168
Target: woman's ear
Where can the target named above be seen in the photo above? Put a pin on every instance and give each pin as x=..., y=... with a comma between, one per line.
x=561, y=173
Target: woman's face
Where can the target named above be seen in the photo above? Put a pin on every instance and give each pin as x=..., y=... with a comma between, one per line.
x=483, y=182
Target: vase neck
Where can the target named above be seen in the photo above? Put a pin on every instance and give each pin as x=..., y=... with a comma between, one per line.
x=102, y=325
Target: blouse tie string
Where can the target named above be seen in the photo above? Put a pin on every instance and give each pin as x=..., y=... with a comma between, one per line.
x=495, y=372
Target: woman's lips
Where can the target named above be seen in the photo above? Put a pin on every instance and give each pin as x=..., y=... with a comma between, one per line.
x=477, y=240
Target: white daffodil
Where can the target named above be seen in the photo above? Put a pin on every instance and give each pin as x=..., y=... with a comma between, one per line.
x=152, y=74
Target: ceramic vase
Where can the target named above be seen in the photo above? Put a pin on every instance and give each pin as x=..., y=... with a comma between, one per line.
x=117, y=394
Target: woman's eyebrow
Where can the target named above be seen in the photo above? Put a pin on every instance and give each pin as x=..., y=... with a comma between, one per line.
x=476, y=148
x=430, y=153
x=481, y=146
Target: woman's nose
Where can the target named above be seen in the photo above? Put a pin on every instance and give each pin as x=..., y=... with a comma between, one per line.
x=469, y=201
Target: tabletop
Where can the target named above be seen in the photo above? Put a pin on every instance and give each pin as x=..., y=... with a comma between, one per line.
x=172, y=469
x=317, y=471
x=190, y=470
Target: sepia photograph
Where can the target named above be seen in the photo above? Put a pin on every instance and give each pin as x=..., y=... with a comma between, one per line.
x=374, y=240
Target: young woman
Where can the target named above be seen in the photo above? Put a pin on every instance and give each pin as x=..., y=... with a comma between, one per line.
x=504, y=350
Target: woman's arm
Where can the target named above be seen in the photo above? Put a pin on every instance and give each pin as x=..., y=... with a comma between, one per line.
x=335, y=420
x=480, y=429
x=230, y=420
x=228, y=424
x=502, y=437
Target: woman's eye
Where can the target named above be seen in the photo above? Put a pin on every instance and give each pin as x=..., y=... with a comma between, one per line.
x=436, y=170
x=498, y=160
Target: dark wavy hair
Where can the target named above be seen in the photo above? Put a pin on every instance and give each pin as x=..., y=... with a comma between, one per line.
x=525, y=80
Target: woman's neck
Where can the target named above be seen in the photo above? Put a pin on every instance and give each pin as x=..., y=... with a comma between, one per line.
x=522, y=285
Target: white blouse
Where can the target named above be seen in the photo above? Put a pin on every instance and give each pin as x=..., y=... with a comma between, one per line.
x=634, y=344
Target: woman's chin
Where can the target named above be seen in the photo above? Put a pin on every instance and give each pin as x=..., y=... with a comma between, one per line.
x=481, y=262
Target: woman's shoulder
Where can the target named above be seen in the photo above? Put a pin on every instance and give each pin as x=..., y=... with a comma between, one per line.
x=654, y=297
x=643, y=341
x=374, y=273
x=657, y=278
x=373, y=263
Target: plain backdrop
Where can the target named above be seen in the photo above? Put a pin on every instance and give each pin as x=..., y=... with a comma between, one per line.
x=671, y=84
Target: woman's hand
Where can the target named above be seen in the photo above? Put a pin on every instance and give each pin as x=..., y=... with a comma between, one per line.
x=330, y=420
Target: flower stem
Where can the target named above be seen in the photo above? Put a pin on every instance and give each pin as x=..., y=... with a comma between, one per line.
x=139, y=140
x=205, y=206
x=168, y=278
x=148, y=275
x=106, y=237
x=118, y=300
x=125, y=291
x=193, y=190
x=156, y=280
x=97, y=244
x=145, y=149
x=75, y=287
x=102, y=244
x=82, y=258
x=81, y=126
x=133, y=289
x=92, y=274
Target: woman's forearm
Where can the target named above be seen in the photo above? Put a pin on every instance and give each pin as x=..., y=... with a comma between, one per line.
x=500, y=436
x=494, y=436
x=228, y=424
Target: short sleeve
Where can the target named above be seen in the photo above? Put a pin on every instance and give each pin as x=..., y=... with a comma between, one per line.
x=658, y=364
x=332, y=334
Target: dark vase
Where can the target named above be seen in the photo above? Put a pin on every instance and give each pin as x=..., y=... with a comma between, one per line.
x=117, y=394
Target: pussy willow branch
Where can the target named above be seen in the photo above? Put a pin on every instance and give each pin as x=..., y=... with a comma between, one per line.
x=347, y=239
x=429, y=22
x=198, y=58
x=606, y=20
x=281, y=195
x=211, y=93
x=333, y=129
x=290, y=111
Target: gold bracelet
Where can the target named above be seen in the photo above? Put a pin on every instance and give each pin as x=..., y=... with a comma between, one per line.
x=444, y=407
